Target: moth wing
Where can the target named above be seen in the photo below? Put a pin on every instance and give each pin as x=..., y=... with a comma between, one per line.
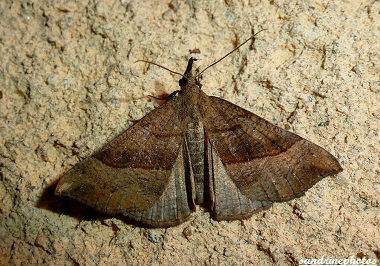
x=131, y=173
x=227, y=201
x=175, y=203
x=265, y=163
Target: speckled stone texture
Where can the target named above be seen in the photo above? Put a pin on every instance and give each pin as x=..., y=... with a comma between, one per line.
x=68, y=83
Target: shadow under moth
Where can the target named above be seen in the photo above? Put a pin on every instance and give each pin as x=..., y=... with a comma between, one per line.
x=197, y=149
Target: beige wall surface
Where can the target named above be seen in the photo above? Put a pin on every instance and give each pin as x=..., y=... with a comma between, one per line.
x=68, y=84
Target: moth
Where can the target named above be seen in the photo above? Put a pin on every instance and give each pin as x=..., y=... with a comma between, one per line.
x=197, y=149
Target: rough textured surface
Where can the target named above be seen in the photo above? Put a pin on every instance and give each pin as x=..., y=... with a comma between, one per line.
x=68, y=84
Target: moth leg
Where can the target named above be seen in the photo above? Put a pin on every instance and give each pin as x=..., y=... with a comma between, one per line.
x=174, y=93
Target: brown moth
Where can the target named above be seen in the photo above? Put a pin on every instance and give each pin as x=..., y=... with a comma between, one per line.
x=197, y=149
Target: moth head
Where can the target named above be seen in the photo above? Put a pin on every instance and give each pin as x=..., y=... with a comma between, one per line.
x=188, y=76
x=183, y=82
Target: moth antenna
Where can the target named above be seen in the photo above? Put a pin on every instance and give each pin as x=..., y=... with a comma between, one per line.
x=171, y=71
x=153, y=63
x=252, y=37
